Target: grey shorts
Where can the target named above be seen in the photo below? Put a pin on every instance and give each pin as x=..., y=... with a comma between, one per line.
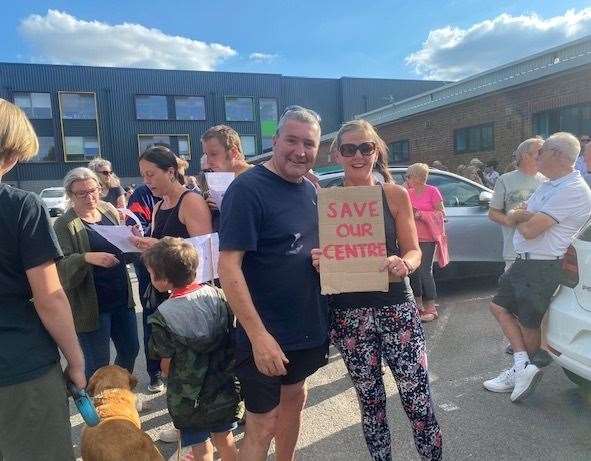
x=35, y=420
x=526, y=289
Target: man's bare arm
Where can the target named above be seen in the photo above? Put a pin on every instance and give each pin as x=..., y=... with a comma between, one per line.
x=498, y=216
x=536, y=225
x=268, y=355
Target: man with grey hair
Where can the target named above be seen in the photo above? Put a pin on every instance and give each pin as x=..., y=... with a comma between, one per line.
x=544, y=230
x=513, y=189
x=268, y=226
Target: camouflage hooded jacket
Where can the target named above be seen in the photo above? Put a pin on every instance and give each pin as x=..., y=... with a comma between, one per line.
x=193, y=330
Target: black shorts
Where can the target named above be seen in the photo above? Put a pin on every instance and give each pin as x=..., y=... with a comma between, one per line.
x=262, y=393
x=526, y=289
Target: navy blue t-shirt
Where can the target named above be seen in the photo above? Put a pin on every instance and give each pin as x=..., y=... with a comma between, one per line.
x=275, y=222
x=110, y=283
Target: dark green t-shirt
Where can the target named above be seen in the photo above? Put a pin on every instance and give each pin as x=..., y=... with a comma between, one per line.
x=27, y=240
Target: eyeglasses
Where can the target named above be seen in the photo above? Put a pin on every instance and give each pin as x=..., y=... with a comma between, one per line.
x=296, y=108
x=585, y=140
x=86, y=193
x=365, y=148
x=106, y=173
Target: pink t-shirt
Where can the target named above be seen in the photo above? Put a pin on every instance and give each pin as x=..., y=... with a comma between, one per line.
x=427, y=200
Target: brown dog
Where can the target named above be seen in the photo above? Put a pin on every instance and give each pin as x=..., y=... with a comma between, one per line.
x=118, y=436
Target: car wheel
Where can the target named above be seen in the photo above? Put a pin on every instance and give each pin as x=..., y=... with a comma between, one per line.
x=578, y=380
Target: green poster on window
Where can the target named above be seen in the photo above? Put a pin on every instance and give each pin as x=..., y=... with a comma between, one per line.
x=268, y=128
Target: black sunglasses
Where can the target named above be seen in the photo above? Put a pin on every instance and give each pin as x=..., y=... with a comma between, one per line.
x=294, y=108
x=365, y=148
x=106, y=173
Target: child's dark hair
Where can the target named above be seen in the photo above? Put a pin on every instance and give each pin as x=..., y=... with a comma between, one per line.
x=172, y=259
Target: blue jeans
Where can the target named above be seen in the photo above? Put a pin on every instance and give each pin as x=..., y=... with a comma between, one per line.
x=119, y=325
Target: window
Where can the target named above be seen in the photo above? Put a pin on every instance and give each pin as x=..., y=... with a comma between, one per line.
x=81, y=148
x=456, y=193
x=474, y=139
x=574, y=119
x=399, y=151
x=35, y=105
x=46, y=150
x=78, y=106
x=189, y=107
x=178, y=143
x=268, y=118
x=239, y=109
x=248, y=145
x=151, y=107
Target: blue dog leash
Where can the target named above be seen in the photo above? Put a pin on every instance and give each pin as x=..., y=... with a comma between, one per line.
x=84, y=404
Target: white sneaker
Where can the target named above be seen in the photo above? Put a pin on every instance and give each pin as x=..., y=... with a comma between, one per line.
x=505, y=382
x=168, y=435
x=526, y=382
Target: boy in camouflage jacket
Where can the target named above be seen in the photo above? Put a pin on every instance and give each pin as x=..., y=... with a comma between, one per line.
x=190, y=332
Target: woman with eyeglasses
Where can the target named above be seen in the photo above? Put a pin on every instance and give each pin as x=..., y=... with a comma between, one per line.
x=429, y=214
x=367, y=327
x=94, y=274
x=111, y=191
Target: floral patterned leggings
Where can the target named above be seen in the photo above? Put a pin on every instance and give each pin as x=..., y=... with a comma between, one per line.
x=363, y=336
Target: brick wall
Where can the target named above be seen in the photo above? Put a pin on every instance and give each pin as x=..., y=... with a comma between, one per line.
x=431, y=134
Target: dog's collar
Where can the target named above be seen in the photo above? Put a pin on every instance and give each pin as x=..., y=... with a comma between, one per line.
x=114, y=404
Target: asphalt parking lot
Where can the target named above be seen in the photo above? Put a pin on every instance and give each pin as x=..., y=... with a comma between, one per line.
x=465, y=347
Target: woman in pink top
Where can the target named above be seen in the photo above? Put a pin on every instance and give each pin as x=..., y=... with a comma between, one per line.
x=425, y=200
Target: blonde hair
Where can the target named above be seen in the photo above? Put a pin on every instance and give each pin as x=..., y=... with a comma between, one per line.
x=418, y=170
x=79, y=174
x=98, y=163
x=18, y=140
x=367, y=128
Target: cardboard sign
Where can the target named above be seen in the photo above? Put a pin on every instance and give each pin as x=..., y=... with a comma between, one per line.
x=352, y=239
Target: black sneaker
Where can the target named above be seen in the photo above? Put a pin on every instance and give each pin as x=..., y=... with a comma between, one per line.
x=156, y=384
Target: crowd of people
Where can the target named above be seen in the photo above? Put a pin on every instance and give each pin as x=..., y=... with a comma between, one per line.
x=248, y=342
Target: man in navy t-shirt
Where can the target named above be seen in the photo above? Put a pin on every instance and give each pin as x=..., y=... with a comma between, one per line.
x=269, y=225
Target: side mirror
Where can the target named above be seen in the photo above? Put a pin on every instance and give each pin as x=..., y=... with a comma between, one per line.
x=484, y=198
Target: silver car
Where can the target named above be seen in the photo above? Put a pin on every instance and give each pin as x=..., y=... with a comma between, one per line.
x=55, y=200
x=473, y=239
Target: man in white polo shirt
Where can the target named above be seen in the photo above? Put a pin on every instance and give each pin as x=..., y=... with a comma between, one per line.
x=544, y=230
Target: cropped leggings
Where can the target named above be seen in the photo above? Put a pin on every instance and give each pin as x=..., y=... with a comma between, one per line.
x=421, y=281
x=363, y=336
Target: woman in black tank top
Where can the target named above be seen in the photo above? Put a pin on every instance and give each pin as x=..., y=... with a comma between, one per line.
x=180, y=213
x=370, y=326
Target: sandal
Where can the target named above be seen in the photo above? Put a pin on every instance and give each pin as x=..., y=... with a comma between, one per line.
x=428, y=315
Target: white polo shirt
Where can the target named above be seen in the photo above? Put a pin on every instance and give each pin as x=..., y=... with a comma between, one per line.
x=567, y=200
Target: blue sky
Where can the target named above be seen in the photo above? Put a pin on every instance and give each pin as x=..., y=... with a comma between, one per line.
x=389, y=39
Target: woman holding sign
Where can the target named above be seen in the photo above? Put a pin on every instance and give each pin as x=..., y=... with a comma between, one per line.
x=94, y=275
x=368, y=326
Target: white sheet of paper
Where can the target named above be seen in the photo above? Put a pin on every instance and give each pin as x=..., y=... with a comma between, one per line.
x=208, y=249
x=218, y=184
x=118, y=236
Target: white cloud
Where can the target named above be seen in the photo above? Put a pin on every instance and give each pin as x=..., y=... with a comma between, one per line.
x=261, y=57
x=60, y=38
x=452, y=53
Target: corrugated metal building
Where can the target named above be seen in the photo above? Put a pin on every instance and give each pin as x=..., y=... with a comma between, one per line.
x=80, y=112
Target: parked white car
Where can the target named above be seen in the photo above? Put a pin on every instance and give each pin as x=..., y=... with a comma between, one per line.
x=55, y=200
x=568, y=333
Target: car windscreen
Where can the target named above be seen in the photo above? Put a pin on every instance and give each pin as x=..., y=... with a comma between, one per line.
x=52, y=194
